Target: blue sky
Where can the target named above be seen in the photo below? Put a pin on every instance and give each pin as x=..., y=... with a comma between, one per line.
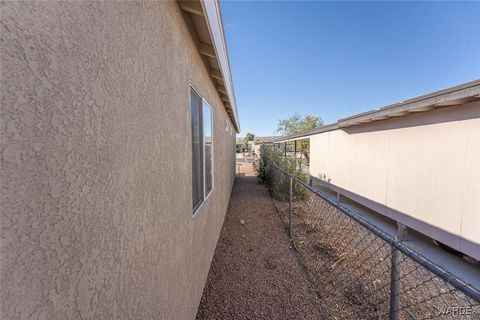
x=335, y=59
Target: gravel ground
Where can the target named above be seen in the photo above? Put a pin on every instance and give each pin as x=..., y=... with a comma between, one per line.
x=255, y=273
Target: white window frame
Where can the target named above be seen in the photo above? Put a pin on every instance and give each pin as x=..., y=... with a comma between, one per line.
x=194, y=88
x=206, y=195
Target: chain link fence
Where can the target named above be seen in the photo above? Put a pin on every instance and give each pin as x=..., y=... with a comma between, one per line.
x=359, y=271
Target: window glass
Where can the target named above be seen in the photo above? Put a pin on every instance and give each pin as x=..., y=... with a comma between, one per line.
x=207, y=134
x=197, y=149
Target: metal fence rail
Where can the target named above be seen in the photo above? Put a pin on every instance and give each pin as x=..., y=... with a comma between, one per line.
x=360, y=271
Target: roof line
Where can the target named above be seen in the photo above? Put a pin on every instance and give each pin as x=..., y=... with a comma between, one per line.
x=435, y=94
x=215, y=27
x=328, y=127
x=453, y=96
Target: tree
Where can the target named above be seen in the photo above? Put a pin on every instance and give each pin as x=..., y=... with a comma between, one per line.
x=297, y=124
x=248, y=137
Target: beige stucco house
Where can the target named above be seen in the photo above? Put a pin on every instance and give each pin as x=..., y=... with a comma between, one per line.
x=118, y=124
x=416, y=162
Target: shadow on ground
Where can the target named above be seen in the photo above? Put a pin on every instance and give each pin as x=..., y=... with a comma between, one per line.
x=255, y=273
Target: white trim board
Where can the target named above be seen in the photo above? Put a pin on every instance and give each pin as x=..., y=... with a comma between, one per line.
x=214, y=21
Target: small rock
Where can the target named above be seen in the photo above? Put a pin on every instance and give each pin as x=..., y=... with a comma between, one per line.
x=241, y=221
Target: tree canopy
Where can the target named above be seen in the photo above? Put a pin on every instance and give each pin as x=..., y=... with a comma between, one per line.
x=298, y=124
x=248, y=137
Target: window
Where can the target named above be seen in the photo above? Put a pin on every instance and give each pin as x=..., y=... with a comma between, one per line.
x=202, y=149
x=208, y=147
x=197, y=149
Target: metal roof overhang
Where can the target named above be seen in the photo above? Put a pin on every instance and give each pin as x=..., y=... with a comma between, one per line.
x=204, y=21
x=450, y=97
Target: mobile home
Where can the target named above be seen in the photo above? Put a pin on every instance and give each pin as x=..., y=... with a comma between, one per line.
x=416, y=162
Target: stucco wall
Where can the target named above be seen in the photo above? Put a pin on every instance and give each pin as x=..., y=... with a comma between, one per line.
x=96, y=163
x=421, y=169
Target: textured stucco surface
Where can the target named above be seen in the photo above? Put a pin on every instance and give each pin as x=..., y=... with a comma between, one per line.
x=421, y=169
x=96, y=219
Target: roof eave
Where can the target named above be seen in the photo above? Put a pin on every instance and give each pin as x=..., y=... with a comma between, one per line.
x=449, y=97
x=216, y=49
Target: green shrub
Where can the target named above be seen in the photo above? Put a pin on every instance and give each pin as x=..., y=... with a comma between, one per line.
x=277, y=182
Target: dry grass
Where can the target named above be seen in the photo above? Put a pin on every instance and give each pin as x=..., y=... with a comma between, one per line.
x=350, y=267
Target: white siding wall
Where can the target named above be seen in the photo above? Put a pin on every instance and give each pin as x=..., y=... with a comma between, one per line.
x=422, y=169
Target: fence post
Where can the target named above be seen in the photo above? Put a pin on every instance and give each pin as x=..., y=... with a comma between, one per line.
x=394, y=313
x=290, y=207
x=295, y=154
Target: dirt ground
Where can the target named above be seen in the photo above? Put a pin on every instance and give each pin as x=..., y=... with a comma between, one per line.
x=255, y=273
x=351, y=267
